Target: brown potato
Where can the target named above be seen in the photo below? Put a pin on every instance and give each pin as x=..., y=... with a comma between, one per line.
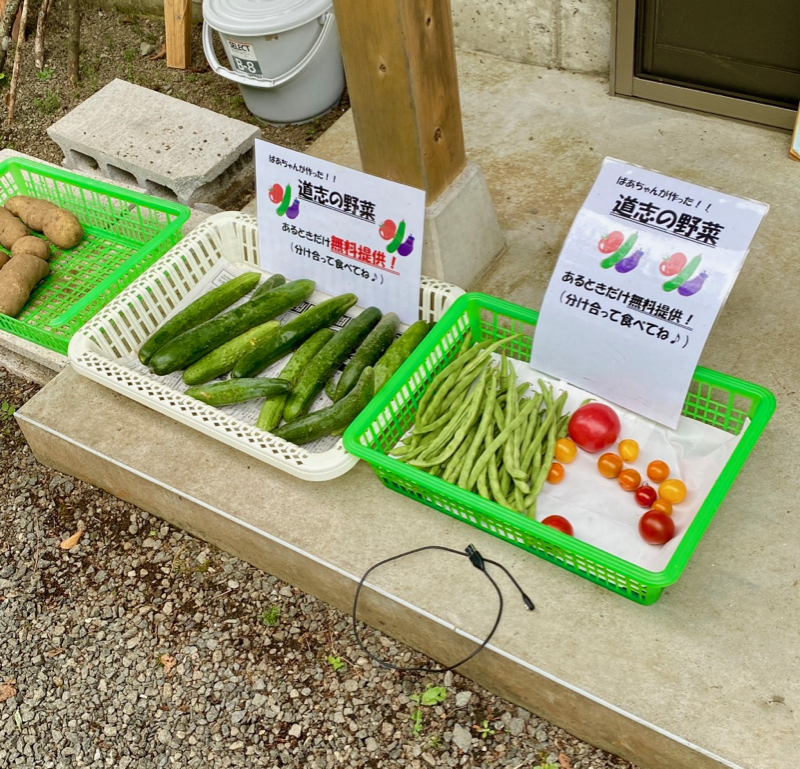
x=30, y=244
x=17, y=279
x=11, y=229
x=62, y=228
x=4, y=257
x=31, y=210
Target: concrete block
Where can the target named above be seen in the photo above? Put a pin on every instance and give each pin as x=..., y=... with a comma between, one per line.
x=496, y=26
x=585, y=36
x=165, y=146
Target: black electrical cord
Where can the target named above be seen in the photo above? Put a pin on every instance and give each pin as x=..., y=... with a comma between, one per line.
x=479, y=562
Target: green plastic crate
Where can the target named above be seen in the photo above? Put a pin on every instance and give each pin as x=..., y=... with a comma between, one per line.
x=125, y=232
x=713, y=398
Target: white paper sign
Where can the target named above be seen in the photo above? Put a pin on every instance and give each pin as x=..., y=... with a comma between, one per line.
x=645, y=269
x=347, y=230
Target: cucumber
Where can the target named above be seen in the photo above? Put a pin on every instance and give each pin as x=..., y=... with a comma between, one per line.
x=272, y=282
x=370, y=350
x=238, y=390
x=292, y=335
x=203, y=308
x=313, y=379
x=286, y=202
x=683, y=275
x=397, y=240
x=333, y=418
x=225, y=357
x=401, y=348
x=193, y=344
x=272, y=410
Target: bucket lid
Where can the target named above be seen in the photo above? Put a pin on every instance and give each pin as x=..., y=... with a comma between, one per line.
x=250, y=18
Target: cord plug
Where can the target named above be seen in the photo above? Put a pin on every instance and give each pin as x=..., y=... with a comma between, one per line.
x=476, y=559
x=528, y=603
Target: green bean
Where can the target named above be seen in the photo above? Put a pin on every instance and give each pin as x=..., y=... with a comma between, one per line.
x=483, y=430
x=483, y=489
x=447, y=403
x=505, y=481
x=494, y=484
x=455, y=462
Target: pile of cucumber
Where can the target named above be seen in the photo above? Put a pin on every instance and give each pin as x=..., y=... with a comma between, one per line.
x=206, y=343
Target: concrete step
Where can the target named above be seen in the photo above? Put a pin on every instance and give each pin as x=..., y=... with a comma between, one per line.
x=163, y=145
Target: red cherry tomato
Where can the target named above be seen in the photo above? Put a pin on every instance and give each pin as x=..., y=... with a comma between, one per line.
x=645, y=496
x=629, y=479
x=609, y=465
x=611, y=242
x=594, y=427
x=656, y=528
x=559, y=523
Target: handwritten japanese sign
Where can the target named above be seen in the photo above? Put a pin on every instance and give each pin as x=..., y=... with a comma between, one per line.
x=645, y=269
x=347, y=230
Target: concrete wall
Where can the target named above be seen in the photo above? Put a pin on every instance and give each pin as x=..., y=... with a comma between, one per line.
x=565, y=34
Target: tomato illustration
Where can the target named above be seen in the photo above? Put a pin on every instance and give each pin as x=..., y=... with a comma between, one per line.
x=387, y=229
x=611, y=242
x=276, y=193
x=672, y=265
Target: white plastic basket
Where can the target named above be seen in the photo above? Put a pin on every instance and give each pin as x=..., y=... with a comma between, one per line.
x=99, y=350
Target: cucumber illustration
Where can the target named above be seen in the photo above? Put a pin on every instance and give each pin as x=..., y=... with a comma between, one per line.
x=286, y=202
x=620, y=253
x=683, y=275
x=398, y=237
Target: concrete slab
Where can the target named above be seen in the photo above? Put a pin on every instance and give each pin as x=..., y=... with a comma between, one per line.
x=708, y=676
x=165, y=146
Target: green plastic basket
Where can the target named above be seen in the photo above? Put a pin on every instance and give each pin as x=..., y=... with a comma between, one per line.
x=713, y=398
x=125, y=232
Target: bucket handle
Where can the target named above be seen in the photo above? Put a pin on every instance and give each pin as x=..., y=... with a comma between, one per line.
x=265, y=82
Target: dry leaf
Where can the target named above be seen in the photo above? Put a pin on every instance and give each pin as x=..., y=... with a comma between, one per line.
x=8, y=690
x=159, y=54
x=168, y=662
x=70, y=542
x=54, y=652
x=564, y=762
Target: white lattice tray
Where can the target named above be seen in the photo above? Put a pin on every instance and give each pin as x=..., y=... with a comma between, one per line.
x=225, y=244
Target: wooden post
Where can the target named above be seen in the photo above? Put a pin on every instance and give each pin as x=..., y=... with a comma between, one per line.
x=178, y=28
x=399, y=58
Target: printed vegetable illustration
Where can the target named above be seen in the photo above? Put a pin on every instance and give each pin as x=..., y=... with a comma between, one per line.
x=559, y=523
x=672, y=265
x=629, y=262
x=656, y=528
x=683, y=275
x=692, y=286
x=398, y=238
x=406, y=247
x=594, y=427
x=620, y=253
x=293, y=209
x=287, y=199
x=611, y=242
x=276, y=193
x=387, y=229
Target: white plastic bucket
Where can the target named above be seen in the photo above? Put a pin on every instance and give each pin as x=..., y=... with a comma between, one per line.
x=284, y=54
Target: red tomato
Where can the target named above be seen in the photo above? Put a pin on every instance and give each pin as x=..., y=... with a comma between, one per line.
x=672, y=265
x=559, y=523
x=594, y=427
x=611, y=242
x=276, y=193
x=387, y=230
x=645, y=496
x=656, y=528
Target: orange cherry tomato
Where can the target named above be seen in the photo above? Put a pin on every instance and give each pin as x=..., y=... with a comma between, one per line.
x=673, y=490
x=628, y=450
x=630, y=479
x=658, y=471
x=609, y=465
x=556, y=474
x=662, y=506
x=566, y=450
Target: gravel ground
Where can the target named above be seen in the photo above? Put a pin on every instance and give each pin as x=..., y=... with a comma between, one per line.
x=143, y=647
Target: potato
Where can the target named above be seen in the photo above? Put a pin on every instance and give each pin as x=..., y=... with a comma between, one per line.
x=3, y=259
x=11, y=229
x=62, y=228
x=30, y=244
x=17, y=279
x=31, y=210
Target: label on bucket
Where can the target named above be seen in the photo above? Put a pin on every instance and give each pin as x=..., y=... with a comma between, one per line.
x=243, y=57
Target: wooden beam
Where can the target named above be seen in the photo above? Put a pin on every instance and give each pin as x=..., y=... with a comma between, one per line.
x=178, y=27
x=399, y=58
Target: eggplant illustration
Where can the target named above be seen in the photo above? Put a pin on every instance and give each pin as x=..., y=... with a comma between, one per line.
x=406, y=247
x=293, y=209
x=629, y=262
x=692, y=286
